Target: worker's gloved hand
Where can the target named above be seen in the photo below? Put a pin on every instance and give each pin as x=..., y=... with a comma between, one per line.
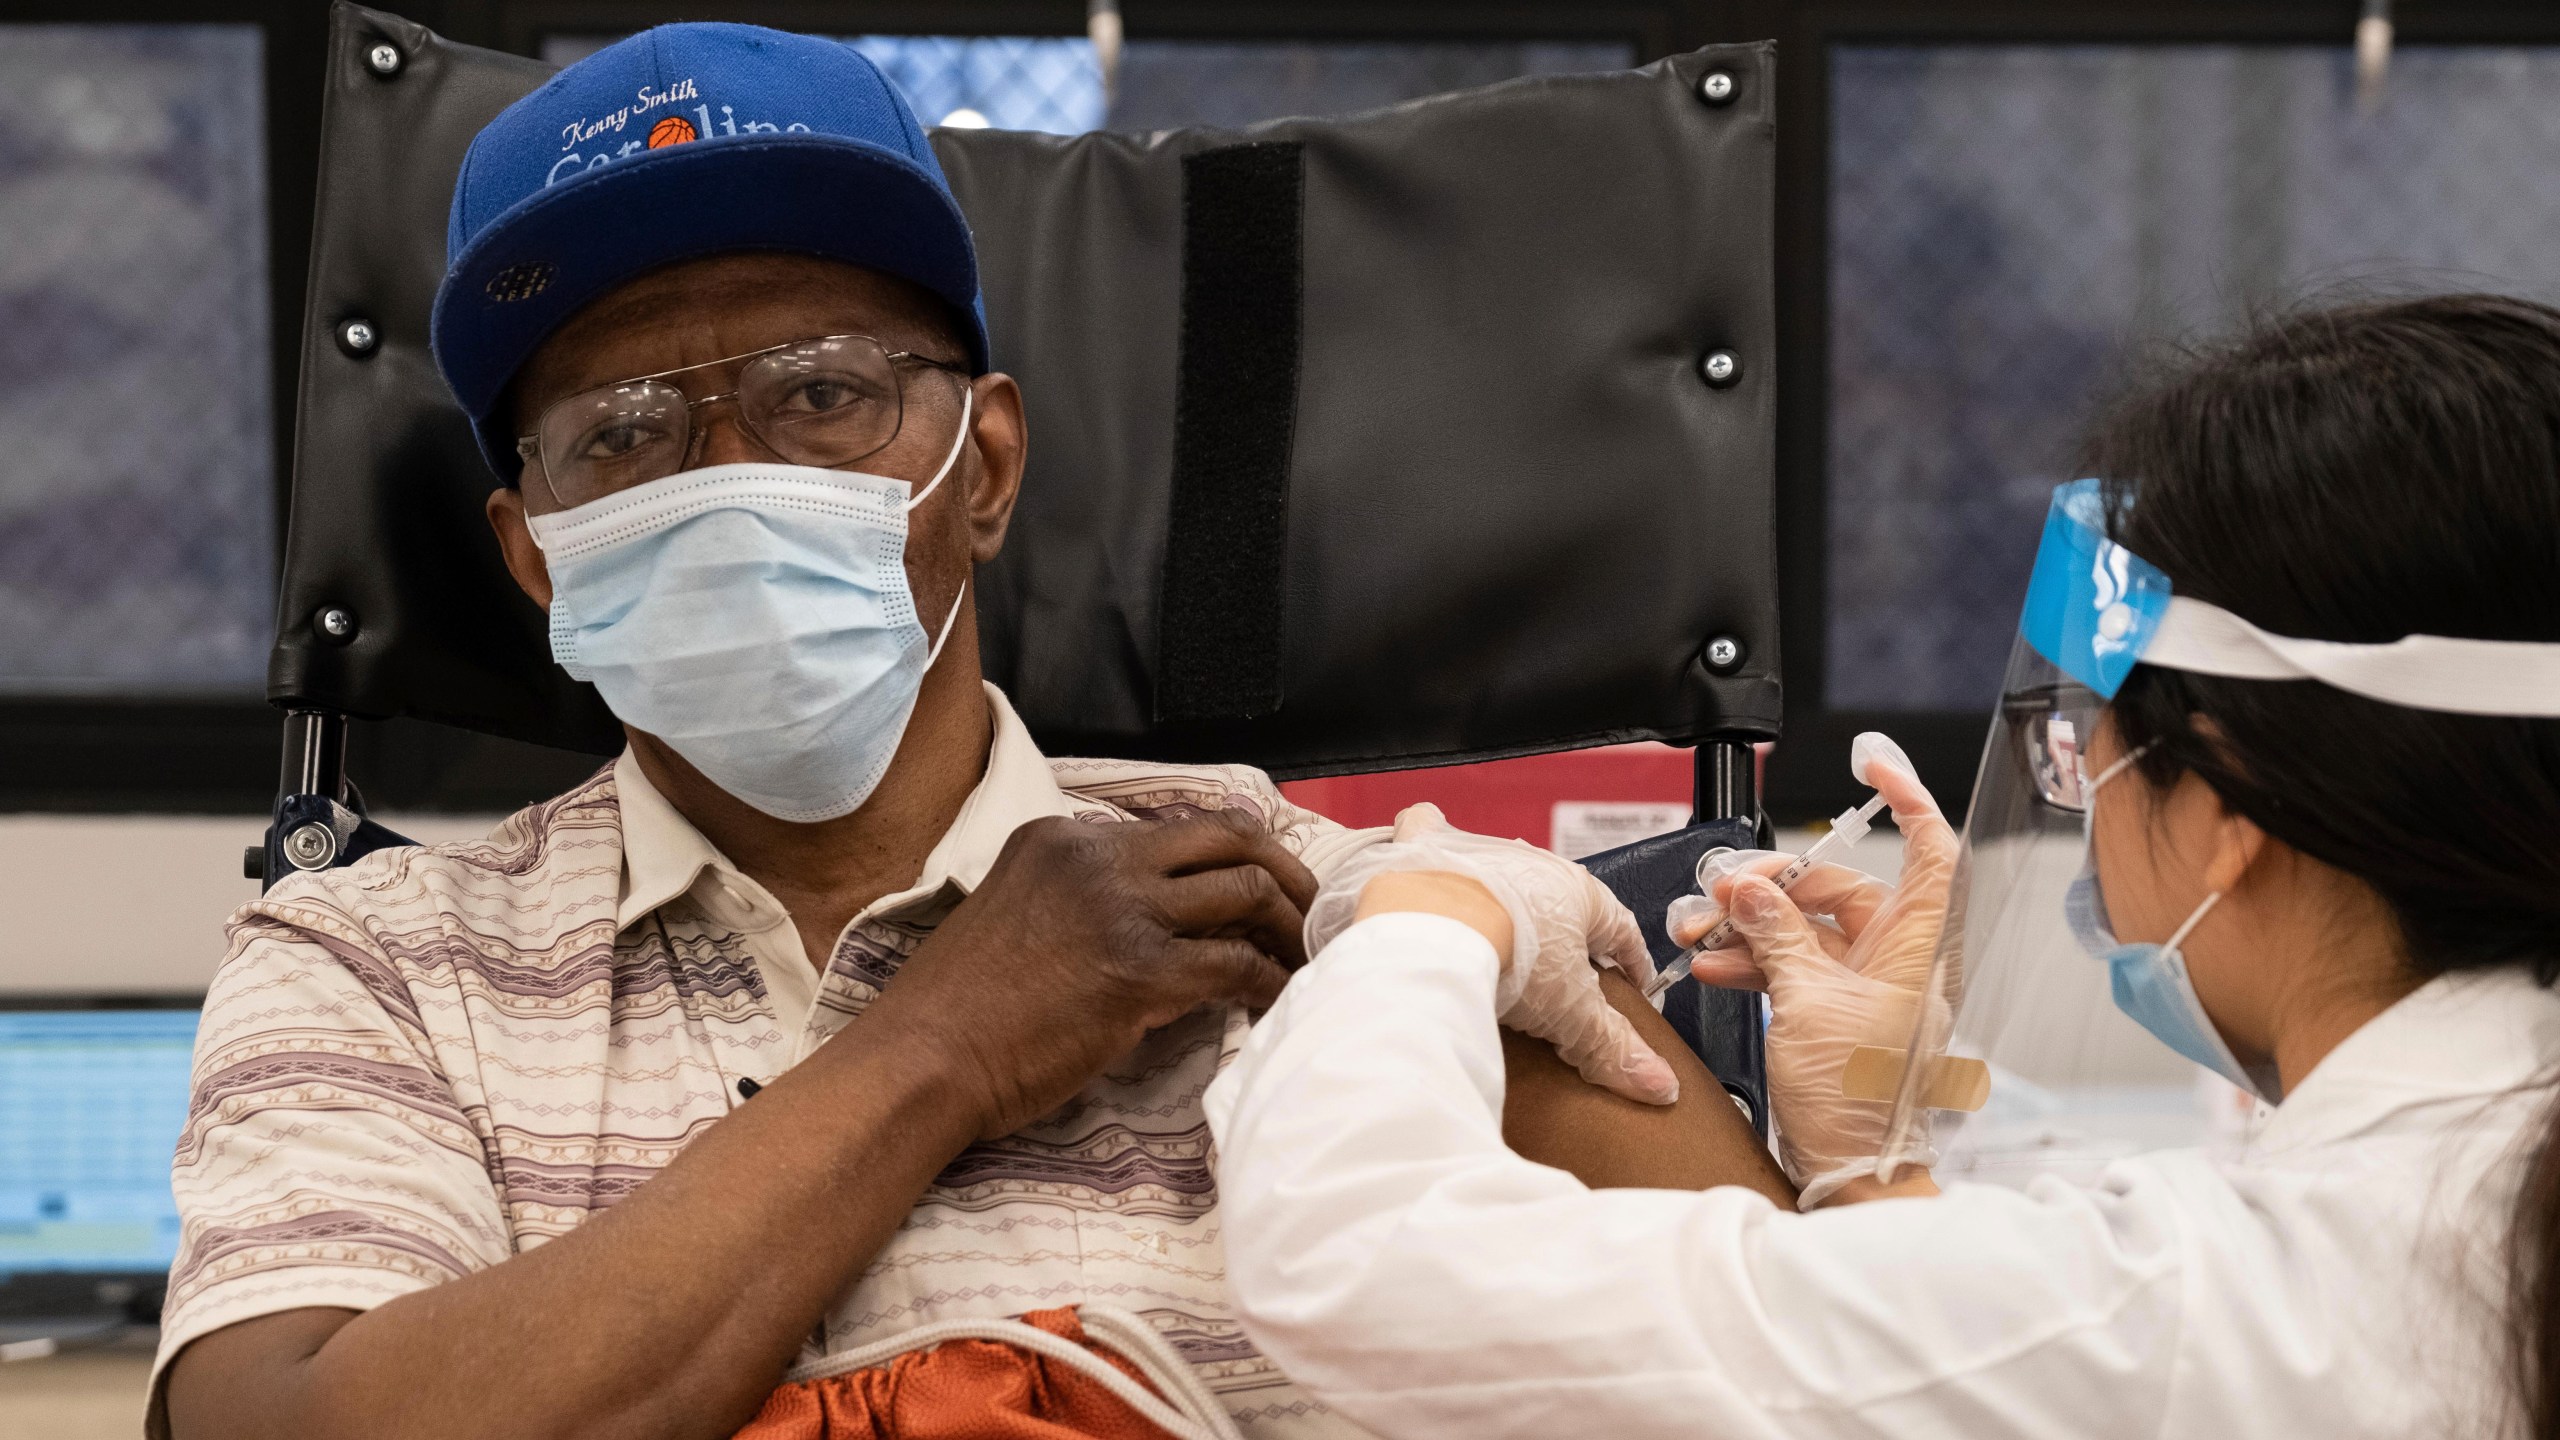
x=1845, y=960
x=1692, y=916
x=1563, y=922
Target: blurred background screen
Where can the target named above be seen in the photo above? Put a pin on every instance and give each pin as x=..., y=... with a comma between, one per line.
x=137, y=460
x=2015, y=227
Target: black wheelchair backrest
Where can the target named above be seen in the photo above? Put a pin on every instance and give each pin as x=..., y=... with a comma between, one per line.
x=1442, y=432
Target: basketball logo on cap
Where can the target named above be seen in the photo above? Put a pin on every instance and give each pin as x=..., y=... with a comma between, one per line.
x=673, y=130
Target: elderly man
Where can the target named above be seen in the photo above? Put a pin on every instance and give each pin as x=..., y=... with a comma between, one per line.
x=574, y=1129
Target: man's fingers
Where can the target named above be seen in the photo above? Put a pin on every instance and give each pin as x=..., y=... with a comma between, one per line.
x=1216, y=839
x=1295, y=880
x=1240, y=901
x=1230, y=969
x=1199, y=840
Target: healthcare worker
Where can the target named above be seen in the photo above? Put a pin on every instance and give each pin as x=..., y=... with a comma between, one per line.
x=2285, y=696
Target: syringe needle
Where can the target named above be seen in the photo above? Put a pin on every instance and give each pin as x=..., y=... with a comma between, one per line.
x=1847, y=828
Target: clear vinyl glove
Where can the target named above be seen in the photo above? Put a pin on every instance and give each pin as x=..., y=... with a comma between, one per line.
x=1844, y=958
x=1563, y=922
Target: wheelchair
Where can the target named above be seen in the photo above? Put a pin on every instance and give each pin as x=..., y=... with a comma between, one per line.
x=1440, y=433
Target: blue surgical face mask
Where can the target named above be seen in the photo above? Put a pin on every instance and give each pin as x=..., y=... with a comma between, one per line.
x=2150, y=981
x=756, y=618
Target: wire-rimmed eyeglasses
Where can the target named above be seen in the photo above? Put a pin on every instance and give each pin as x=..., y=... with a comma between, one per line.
x=827, y=402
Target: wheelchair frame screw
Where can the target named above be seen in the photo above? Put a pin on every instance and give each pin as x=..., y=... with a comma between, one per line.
x=1717, y=87
x=310, y=846
x=383, y=59
x=1720, y=368
x=1723, y=653
x=357, y=336
x=337, y=622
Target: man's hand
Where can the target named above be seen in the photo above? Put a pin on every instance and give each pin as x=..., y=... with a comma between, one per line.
x=1083, y=938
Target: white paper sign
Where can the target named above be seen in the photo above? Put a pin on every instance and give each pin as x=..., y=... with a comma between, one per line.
x=1587, y=827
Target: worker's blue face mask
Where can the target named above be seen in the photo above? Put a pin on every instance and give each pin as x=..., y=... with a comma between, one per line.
x=2150, y=981
x=756, y=618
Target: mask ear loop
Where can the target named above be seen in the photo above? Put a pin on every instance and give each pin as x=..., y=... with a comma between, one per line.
x=2112, y=772
x=2179, y=937
x=2089, y=801
x=968, y=399
x=947, y=622
x=2089, y=825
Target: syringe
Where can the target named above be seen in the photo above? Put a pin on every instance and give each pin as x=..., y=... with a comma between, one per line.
x=1847, y=828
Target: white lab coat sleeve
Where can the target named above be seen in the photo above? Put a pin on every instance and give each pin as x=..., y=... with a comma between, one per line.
x=1393, y=1256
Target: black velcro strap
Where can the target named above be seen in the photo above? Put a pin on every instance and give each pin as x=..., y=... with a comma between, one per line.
x=1235, y=404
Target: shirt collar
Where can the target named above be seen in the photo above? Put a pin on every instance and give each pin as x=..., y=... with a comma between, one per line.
x=1018, y=788
x=2464, y=1036
x=663, y=854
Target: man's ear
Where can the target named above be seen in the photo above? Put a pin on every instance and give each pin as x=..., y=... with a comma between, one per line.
x=1003, y=444
x=515, y=541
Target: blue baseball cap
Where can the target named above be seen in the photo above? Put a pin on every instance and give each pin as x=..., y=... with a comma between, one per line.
x=682, y=141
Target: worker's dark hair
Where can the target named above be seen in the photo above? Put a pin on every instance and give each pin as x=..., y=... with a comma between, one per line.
x=2360, y=474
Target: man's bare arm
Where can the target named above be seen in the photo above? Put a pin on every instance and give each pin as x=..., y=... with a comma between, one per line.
x=674, y=1314
x=1555, y=1117
x=670, y=1315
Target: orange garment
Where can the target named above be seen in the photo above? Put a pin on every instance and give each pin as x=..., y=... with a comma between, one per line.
x=961, y=1390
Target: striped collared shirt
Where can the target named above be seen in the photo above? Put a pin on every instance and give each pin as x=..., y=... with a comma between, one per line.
x=417, y=1066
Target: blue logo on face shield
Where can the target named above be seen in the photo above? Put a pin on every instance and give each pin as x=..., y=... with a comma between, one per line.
x=2092, y=605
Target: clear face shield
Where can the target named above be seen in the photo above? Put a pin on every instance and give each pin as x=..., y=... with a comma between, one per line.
x=2012, y=988
x=2027, y=979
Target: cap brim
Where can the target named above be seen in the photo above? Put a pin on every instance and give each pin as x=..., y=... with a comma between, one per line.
x=539, y=262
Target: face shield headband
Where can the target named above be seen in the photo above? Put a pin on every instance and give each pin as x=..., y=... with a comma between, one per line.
x=2009, y=984
x=2094, y=609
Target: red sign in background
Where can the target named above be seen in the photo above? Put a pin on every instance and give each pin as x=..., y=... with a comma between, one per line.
x=1518, y=798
